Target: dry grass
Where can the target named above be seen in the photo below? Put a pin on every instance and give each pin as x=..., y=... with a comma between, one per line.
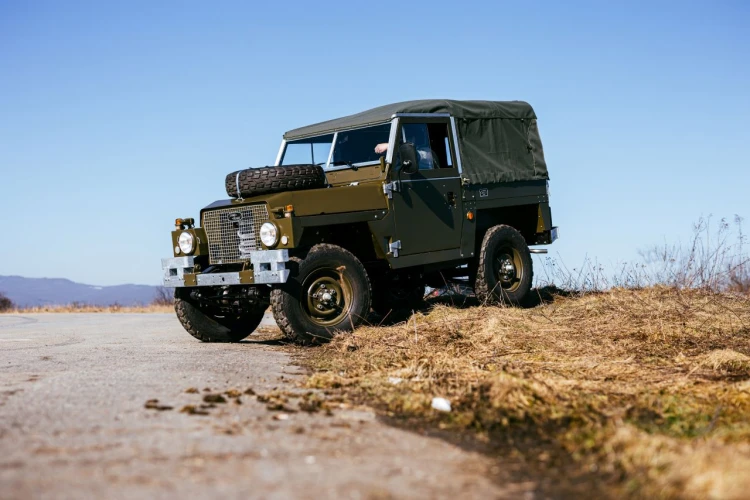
x=85, y=308
x=644, y=391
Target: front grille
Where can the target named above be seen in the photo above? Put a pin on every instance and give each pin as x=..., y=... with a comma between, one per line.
x=224, y=226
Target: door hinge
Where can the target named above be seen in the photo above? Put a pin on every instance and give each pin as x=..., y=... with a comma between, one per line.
x=394, y=247
x=391, y=187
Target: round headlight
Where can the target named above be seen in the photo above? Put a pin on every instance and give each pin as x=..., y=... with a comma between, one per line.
x=269, y=235
x=186, y=243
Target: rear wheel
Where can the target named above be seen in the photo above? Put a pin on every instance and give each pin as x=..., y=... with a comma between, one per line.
x=328, y=292
x=504, y=272
x=207, y=325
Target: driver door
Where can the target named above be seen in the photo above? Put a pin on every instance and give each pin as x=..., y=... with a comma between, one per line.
x=427, y=205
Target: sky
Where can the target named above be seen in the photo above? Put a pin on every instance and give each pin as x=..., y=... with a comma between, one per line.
x=118, y=117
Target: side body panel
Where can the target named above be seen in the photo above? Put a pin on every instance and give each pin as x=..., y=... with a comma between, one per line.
x=341, y=199
x=428, y=213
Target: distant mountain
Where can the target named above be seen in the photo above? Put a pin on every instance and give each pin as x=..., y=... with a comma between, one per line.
x=26, y=292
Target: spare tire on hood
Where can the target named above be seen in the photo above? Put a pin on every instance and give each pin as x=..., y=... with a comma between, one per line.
x=264, y=180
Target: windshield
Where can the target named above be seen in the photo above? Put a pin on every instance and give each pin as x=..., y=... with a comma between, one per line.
x=350, y=147
x=310, y=151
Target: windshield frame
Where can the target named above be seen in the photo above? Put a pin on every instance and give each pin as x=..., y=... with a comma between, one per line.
x=328, y=167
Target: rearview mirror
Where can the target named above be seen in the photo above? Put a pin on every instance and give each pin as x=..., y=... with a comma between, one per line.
x=409, y=162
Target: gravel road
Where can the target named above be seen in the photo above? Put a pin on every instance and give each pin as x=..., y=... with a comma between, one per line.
x=73, y=422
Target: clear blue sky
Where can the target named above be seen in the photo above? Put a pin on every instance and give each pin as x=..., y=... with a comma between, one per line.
x=117, y=117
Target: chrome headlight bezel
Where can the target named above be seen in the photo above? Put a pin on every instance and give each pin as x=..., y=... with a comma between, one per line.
x=269, y=234
x=186, y=242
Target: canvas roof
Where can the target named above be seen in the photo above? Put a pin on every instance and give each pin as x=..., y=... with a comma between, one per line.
x=458, y=109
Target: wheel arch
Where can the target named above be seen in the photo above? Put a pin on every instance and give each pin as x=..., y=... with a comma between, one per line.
x=355, y=237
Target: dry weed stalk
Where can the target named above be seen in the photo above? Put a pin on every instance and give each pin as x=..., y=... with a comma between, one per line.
x=715, y=259
x=87, y=308
x=163, y=303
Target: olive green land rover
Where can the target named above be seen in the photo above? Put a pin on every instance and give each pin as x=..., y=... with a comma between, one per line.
x=362, y=213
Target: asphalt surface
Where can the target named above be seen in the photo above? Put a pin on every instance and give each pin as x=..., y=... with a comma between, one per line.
x=74, y=422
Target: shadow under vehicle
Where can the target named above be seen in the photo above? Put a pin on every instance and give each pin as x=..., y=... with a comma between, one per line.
x=363, y=212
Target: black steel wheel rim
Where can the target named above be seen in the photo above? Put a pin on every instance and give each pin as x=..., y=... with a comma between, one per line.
x=508, y=268
x=327, y=297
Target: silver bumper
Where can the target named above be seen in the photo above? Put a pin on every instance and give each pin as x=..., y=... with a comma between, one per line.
x=269, y=266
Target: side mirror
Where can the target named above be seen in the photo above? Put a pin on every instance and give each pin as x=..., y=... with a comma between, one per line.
x=409, y=161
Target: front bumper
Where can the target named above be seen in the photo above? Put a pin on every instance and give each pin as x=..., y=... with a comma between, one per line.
x=269, y=267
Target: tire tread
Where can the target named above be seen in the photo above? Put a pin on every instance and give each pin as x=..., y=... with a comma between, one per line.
x=280, y=298
x=265, y=180
x=482, y=289
x=206, y=329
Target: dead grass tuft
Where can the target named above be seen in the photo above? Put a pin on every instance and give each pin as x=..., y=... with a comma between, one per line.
x=727, y=361
x=698, y=469
x=603, y=380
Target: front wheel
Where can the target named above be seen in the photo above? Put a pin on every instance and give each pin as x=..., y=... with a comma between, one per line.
x=199, y=322
x=504, y=272
x=329, y=292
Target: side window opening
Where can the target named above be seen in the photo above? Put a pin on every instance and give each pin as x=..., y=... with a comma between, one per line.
x=432, y=143
x=439, y=144
x=418, y=134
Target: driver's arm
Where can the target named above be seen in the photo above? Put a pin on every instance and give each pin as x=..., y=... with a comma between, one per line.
x=381, y=148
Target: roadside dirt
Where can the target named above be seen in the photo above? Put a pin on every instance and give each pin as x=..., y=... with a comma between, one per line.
x=127, y=406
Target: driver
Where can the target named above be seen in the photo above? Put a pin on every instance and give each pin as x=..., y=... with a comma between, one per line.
x=415, y=133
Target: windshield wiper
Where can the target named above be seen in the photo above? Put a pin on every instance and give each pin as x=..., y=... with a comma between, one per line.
x=349, y=164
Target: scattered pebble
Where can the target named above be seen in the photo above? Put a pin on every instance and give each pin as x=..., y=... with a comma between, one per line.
x=441, y=404
x=249, y=391
x=395, y=380
x=279, y=406
x=281, y=416
x=214, y=398
x=153, y=404
x=192, y=390
x=233, y=393
x=192, y=410
x=310, y=405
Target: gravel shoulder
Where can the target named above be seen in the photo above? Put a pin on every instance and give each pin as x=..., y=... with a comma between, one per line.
x=74, y=422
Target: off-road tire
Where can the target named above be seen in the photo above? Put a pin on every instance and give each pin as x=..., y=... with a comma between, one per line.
x=265, y=180
x=207, y=328
x=290, y=312
x=487, y=285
